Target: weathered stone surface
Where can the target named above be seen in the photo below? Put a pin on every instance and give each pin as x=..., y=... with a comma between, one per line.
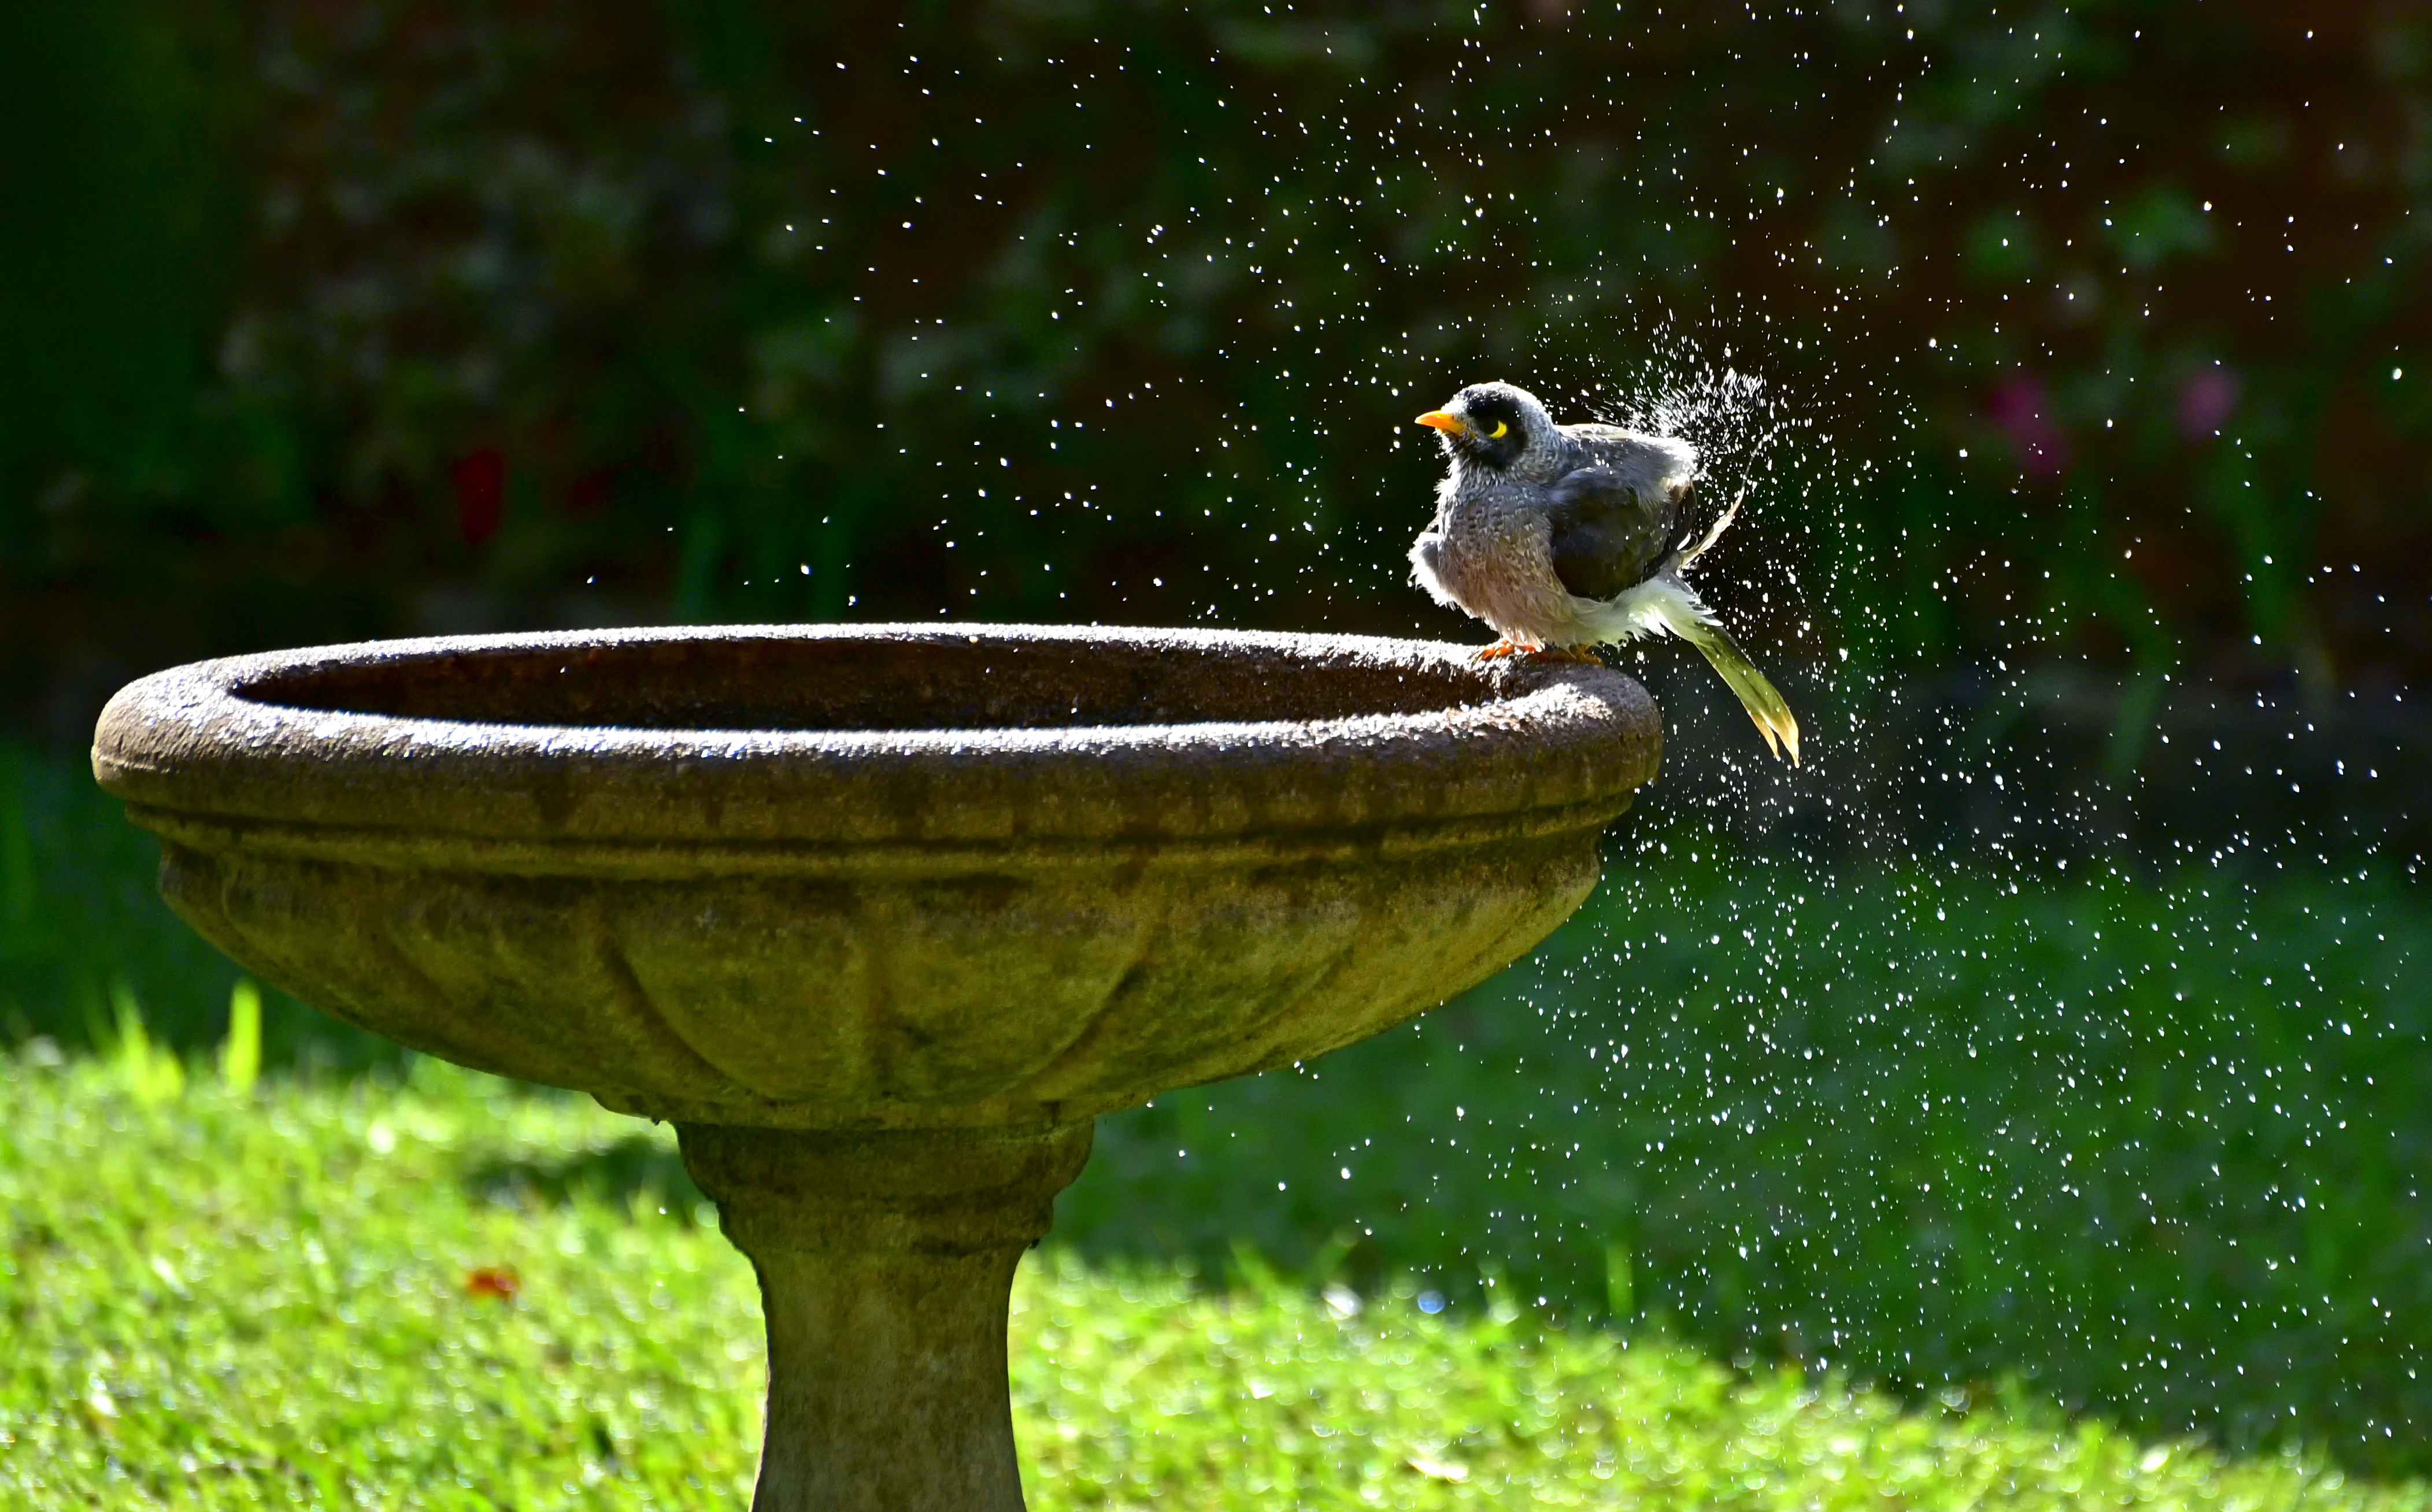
x=881, y=916
x=876, y=877
x=885, y=1262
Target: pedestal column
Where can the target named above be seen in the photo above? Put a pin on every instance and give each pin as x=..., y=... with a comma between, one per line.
x=885, y=1263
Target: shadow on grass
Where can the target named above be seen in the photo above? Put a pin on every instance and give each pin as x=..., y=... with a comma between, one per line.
x=638, y=1170
x=2153, y=1147
x=85, y=938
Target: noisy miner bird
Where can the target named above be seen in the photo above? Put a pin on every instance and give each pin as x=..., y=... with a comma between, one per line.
x=1564, y=537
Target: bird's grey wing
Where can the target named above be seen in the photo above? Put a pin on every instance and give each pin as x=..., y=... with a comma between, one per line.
x=1591, y=434
x=1610, y=530
x=1646, y=461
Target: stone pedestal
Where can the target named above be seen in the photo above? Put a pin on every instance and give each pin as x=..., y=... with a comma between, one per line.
x=885, y=1262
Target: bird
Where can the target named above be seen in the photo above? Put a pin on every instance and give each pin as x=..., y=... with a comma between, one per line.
x=1564, y=537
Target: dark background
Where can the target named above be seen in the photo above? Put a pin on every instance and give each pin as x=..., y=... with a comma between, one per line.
x=374, y=317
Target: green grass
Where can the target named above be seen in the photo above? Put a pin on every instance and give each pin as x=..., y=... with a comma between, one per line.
x=2155, y=1146
x=2151, y=1147
x=236, y=1297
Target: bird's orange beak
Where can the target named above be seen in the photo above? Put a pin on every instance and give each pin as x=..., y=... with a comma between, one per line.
x=1445, y=421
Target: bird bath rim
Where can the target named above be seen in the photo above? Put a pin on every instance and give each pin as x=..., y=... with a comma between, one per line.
x=214, y=746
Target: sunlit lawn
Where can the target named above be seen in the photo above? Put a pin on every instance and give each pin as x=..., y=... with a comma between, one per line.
x=2152, y=1147
x=218, y=1298
x=2157, y=1144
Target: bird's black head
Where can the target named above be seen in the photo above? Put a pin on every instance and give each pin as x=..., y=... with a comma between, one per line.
x=1492, y=425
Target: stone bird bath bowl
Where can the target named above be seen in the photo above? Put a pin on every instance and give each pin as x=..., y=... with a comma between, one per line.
x=879, y=918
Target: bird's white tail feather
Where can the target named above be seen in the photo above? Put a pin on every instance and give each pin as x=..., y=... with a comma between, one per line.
x=1665, y=605
x=1689, y=554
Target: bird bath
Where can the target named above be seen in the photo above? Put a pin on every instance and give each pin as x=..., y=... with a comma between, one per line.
x=879, y=918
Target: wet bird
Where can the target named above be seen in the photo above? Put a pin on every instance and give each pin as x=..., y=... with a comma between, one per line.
x=1565, y=537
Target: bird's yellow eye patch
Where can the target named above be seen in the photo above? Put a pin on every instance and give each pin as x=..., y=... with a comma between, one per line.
x=1496, y=434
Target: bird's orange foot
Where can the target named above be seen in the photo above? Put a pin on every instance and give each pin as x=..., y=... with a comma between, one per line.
x=1567, y=653
x=1496, y=652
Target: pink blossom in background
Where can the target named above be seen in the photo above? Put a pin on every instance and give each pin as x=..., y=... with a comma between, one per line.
x=2206, y=400
x=2019, y=411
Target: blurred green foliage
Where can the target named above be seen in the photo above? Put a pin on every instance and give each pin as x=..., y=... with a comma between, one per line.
x=373, y=316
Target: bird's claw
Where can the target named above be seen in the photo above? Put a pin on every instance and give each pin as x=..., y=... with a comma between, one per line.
x=1510, y=648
